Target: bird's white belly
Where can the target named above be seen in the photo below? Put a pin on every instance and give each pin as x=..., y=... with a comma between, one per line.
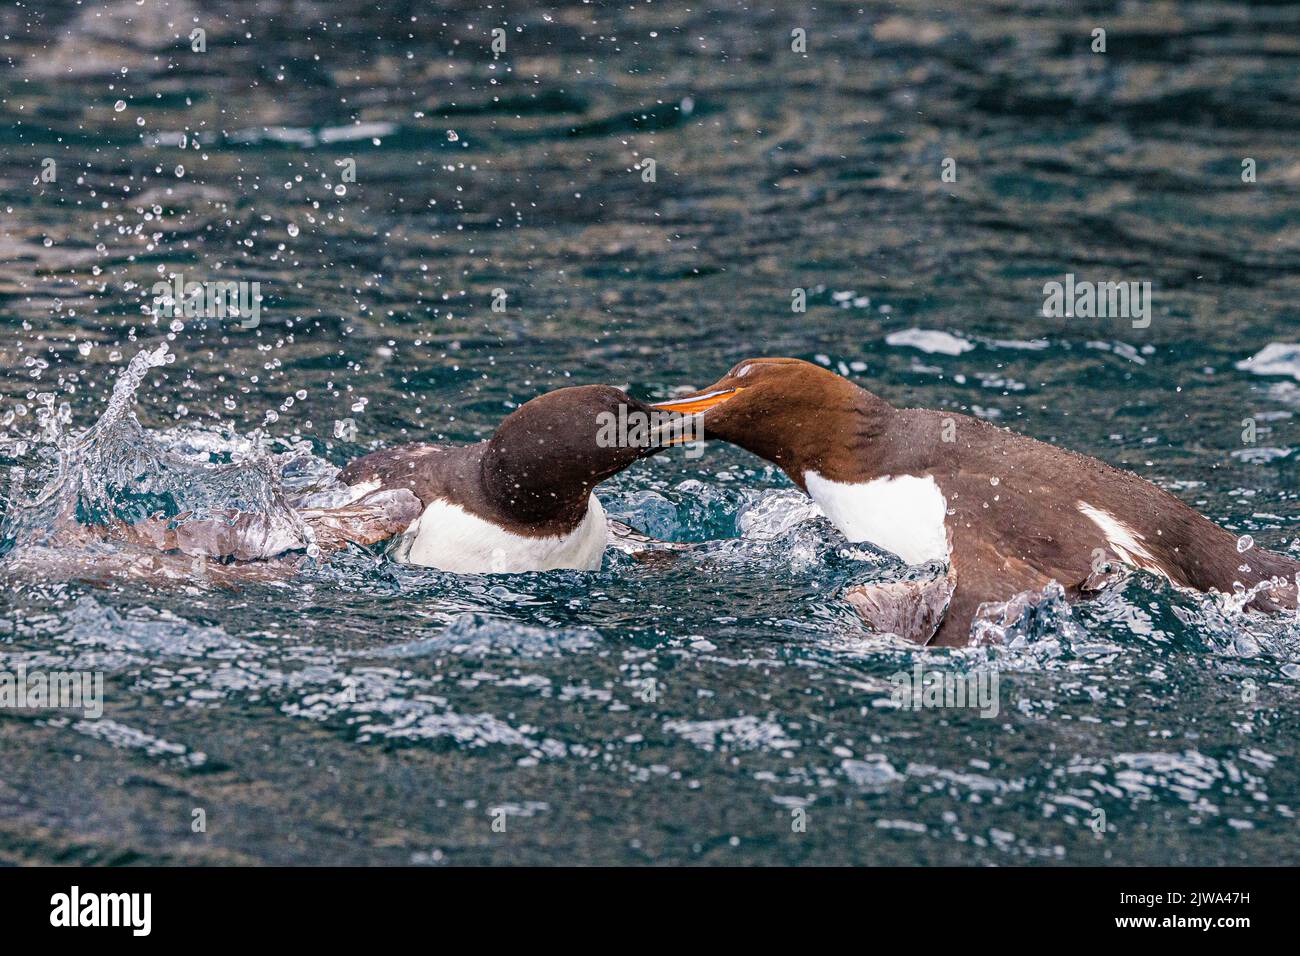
x=903, y=514
x=448, y=537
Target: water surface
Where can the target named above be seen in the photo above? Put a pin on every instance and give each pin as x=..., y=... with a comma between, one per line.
x=690, y=711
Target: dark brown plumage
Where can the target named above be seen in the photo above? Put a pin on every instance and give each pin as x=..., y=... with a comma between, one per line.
x=532, y=477
x=1017, y=534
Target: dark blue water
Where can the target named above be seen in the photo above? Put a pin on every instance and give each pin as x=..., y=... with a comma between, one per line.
x=723, y=707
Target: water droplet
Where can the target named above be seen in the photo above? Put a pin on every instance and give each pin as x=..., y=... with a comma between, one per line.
x=1245, y=543
x=292, y=229
x=119, y=106
x=452, y=135
x=340, y=189
x=995, y=481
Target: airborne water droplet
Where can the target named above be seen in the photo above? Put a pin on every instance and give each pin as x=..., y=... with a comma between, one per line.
x=119, y=106
x=1245, y=543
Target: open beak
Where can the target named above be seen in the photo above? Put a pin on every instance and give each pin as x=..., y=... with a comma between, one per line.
x=699, y=402
x=688, y=428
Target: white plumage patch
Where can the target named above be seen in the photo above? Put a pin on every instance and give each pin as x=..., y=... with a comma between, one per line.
x=904, y=514
x=1123, y=540
x=448, y=537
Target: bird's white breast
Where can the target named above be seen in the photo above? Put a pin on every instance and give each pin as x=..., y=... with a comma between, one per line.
x=903, y=514
x=448, y=537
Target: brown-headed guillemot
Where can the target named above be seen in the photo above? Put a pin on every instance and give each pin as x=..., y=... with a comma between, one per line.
x=521, y=500
x=1006, y=513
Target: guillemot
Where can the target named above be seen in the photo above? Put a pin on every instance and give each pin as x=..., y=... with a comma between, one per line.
x=521, y=500
x=1006, y=513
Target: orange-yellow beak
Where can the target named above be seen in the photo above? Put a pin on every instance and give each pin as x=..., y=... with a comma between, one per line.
x=678, y=431
x=699, y=402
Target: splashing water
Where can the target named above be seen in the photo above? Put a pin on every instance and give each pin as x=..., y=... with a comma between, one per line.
x=116, y=478
x=545, y=679
x=651, y=712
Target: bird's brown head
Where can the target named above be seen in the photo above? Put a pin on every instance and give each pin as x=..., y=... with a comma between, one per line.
x=791, y=412
x=545, y=458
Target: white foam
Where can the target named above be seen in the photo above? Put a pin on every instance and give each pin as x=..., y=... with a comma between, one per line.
x=930, y=341
x=1276, y=358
